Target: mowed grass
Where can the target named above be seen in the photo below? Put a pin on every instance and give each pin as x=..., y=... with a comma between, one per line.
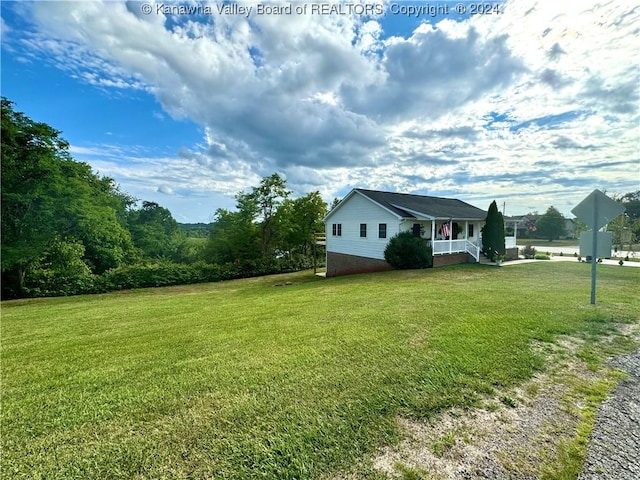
x=245, y=379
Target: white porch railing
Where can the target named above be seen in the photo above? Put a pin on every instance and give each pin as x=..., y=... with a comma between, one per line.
x=445, y=247
x=449, y=246
x=474, y=250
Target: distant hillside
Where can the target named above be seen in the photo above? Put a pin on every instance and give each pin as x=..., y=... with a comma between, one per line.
x=196, y=230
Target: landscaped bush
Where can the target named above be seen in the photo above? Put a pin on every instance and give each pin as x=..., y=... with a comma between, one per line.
x=166, y=273
x=542, y=256
x=405, y=250
x=528, y=252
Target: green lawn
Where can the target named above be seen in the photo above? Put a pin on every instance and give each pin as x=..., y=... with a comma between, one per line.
x=245, y=379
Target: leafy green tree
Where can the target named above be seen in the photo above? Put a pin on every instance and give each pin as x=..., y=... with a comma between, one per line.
x=191, y=250
x=266, y=221
x=626, y=227
x=298, y=220
x=405, y=251
x=578, y=227
x=551, y=225
x=195, y=230
x=631, y=203
x=233, y=237
x=47, y=195
x=155, y=231
x=61, y=269
x=268, y=197
x=30, y=153
x=94, y=212
x=493, y=233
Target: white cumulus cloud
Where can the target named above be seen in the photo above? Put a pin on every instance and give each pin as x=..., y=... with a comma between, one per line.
x=514, y=105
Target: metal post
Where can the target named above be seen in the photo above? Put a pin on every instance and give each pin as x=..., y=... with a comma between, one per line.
x=594, y=253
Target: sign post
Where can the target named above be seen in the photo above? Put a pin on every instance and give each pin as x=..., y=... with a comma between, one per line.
x=596, y=210
x=594, y=253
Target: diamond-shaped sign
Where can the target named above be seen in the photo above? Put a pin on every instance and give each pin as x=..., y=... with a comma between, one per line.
x=596, y=210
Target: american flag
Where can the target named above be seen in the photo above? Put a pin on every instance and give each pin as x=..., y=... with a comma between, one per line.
x=445, y=229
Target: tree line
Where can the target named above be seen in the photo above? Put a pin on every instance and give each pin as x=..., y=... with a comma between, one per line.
x=66, y=230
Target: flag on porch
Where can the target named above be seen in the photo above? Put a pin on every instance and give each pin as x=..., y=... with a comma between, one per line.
x=445, y=230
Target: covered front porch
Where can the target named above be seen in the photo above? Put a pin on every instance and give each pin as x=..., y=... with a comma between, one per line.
x=453, y=236
x=449, y=236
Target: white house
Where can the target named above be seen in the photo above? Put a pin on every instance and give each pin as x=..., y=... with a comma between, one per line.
x=360, y=226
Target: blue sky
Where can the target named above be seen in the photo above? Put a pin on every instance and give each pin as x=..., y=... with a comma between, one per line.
x=534, y=104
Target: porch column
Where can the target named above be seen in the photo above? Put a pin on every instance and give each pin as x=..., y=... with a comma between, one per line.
x=433, y=233
x=450, y=236
x=466, y=229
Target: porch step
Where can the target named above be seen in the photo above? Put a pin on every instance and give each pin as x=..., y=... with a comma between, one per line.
x=485, y=261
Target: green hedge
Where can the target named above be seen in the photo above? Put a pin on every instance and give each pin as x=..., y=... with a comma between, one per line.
x=165, y=273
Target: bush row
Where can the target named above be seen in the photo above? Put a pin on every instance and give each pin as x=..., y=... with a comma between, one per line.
x=164, y=273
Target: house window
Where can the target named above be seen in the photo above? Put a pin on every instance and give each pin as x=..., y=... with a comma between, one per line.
x=382, y=230
x=470, y=231
x=416, y=229
x=363, y=230
x=337, y=229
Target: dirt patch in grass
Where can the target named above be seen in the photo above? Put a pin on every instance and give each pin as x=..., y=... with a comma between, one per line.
x=537, y=430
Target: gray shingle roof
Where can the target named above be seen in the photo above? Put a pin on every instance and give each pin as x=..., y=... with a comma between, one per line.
x=437, y=207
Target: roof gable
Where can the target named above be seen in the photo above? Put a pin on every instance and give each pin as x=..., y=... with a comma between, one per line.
x=356, y=191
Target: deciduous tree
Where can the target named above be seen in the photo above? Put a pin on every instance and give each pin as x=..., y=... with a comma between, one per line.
x=268, y=197
x=154, y=231
x=298, y=220
x=47, y=195
x=551, y=225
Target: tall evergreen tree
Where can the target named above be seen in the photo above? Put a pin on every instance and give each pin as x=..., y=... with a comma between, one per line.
x=493, y=233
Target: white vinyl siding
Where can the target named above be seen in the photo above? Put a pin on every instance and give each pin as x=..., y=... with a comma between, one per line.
x=353, y=212
x=476, y=231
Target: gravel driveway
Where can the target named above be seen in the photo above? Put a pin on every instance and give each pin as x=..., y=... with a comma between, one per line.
x=614, y=444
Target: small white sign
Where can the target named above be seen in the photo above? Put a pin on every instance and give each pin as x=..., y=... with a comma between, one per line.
x=604, y=242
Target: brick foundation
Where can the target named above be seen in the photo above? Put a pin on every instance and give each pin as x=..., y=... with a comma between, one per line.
x=511, y=253
x=442, y=260
x=343, y=264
